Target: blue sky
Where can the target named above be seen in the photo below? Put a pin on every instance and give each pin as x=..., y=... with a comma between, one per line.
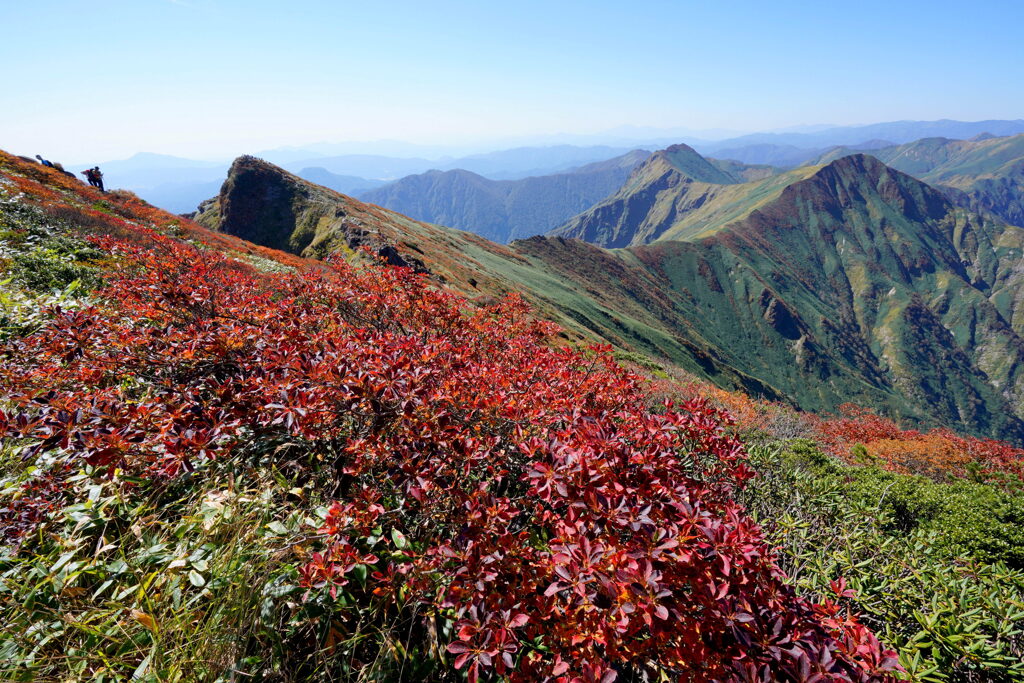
x=206, y=78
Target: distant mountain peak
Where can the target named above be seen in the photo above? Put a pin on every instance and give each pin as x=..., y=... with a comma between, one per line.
x=688, y=162
x=679, y=148
x=857, y=163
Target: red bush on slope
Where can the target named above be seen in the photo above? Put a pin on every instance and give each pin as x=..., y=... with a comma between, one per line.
x=524, y=489
x=936, y=453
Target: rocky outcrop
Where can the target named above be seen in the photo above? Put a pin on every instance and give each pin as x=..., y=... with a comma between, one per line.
x=265, y=204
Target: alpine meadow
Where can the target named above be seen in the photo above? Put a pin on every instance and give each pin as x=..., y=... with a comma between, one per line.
x=558, y=342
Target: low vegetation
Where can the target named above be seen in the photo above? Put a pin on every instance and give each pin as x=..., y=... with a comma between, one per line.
x=217, y=472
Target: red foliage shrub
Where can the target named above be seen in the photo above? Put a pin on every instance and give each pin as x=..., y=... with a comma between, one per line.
x=524, y=491
x=939, y=452
x=35, y=502
x=858, y=425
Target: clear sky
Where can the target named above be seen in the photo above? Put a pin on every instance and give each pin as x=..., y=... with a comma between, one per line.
x=206, y=78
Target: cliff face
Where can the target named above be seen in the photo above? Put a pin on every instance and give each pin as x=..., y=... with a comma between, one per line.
x=264, y=204
x=256, y=203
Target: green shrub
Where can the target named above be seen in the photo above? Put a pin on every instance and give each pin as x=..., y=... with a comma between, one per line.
x=40, y=252
x=934, y=568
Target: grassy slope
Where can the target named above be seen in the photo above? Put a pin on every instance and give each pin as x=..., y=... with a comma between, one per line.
x=674, y=197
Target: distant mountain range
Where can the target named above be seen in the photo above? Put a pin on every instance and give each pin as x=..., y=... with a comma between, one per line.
x=785, y=156
x=508, y=164
x=503, y=210
x=346, y=184
x=896, y=132
x=180, y=184
x=848, y=282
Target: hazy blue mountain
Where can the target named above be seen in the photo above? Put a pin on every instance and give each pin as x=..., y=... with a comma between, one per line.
x=169, y=182
x=896, y=131
x=507, y=164
x=365, y=165
x=149, y=161
x=145, y=170
x=179, y=197
x=523, y=162
x=346, y=184
x=765, y=153
x=503, y=210
x=388, y=148
x=787, y=156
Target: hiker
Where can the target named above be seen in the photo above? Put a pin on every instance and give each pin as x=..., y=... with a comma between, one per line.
x=94, y=177
x=44, y=162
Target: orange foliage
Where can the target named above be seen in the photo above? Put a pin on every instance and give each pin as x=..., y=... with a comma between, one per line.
x=748, y=415
x=935, y=453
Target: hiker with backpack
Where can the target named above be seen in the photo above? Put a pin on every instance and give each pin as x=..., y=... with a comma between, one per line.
x=95, y=177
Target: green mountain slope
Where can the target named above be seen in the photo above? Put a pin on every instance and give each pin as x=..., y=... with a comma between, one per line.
x=984, y=174
x=853, y=283
x=503, y=210
x=677, y=194
x=856, y=282
x=884, y=274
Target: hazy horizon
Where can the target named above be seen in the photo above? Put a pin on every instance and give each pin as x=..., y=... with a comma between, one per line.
x=209, y=79
x=434, y=150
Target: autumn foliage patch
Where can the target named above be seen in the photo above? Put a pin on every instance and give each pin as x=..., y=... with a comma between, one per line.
x=858, y=436
x=483, y=477
x=938, y=452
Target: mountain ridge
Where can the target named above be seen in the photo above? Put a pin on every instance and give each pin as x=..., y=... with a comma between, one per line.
x=984, y=174
x=842, y=286
x=674, y=196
